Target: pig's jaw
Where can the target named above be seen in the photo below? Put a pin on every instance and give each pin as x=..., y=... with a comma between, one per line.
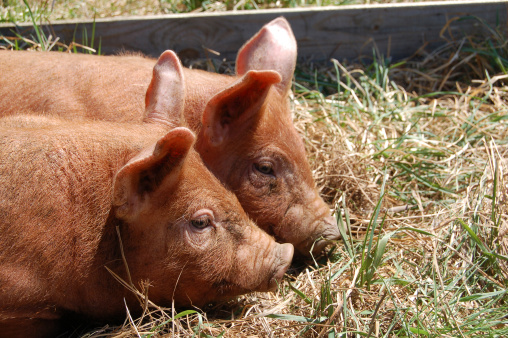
x=326, y=233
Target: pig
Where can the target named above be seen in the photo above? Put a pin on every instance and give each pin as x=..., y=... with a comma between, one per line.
x=243, y=123
x=70, y=191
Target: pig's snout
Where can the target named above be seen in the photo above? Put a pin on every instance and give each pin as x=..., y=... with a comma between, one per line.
x=326, y=234
x=330, y=233
x=284, y=257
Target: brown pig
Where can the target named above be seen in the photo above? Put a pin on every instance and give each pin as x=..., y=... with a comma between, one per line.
x=243, y=123
x=66, y=187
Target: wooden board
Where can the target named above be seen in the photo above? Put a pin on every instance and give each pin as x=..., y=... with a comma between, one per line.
x=343, y=32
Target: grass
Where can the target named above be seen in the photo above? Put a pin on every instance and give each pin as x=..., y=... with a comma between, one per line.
x=15, y=11
x=44, y=42
x=440, y=266
x=414, y=158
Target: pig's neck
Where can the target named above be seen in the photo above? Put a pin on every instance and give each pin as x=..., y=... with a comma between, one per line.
x=102, y=294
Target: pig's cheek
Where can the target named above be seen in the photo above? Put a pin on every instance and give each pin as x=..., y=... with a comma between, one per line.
x=286, y=230
x=198, y=239
x=259, y=181
x=294, y=215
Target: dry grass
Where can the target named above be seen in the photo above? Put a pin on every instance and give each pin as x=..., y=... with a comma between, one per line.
x=13, y=10
x=414, y=158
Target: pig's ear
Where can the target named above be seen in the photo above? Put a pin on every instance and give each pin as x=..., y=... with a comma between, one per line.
x=228, y=111
x=142, y=176
x=272, y=48
x=165, y=96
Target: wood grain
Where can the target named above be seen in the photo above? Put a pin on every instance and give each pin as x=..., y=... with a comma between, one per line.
x=344, y=32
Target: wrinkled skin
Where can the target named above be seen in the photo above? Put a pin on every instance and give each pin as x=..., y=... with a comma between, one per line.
x=248, y=141
x=272, y=178
x=65, y=189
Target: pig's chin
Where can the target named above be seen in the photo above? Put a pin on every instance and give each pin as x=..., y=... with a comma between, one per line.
x=313, y=247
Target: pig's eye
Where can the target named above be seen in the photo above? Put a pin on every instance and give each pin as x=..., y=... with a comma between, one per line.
x=264, y=168
x=202, y=219
x=200, y=223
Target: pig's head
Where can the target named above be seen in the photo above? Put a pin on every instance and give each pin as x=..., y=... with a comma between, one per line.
x=249, y=141
x=182, y=230
x=186, y=234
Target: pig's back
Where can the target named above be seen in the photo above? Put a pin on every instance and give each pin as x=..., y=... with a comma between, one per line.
x=109, y=88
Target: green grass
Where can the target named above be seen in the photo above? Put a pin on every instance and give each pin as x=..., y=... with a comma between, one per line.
x=440, y=267
x=15, y=11
x=44, y=42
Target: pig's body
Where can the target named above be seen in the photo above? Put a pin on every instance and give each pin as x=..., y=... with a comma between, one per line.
x=57, y=228
x=94, y=87
x=243, y=123
x=66, y=186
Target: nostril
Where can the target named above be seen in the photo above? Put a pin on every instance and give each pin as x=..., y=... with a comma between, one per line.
x=325, y=232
